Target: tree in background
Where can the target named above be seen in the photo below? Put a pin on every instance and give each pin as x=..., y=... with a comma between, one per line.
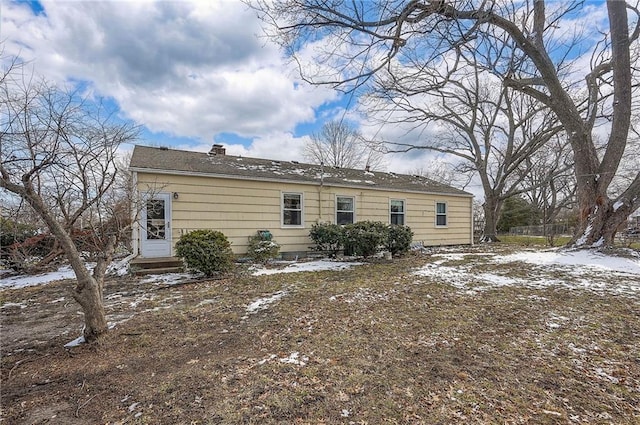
x=362, y=39
x=338, y=144
x=517, y=212
x=58, y=154
x=551, y=182
x=491, y=130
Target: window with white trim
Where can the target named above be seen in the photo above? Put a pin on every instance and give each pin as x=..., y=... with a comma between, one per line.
x=345, y=209
x=441, y=214
x=292, y=209
x=396, y=211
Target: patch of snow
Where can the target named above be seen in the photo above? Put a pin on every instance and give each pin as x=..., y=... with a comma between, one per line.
x=497, y=280
x=294, y=358
x=454, y=276
x=76, y=342
x=456, y=256
x=169, y=278
x=310, y=266
x=120, y=268
x=555, y=321
x=263, y=303
x=580, y=258
x=617, y=205
x=590, y=270
x=598, y=243
x=263, y=361
x=23, y=281
x=206, y=302
x=9, y=305
x=345, y=413
x=582, y=239
x=604, y=375
x=134, y=303
x=58, y=300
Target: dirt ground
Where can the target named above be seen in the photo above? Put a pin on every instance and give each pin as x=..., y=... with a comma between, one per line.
x=370, y=345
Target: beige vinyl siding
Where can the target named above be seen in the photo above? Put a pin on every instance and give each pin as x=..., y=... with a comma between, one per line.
x=239, y=208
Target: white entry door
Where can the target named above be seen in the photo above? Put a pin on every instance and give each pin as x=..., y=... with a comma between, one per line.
x=156, y=227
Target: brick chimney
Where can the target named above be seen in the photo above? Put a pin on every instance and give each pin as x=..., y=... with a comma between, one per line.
x=217, y=150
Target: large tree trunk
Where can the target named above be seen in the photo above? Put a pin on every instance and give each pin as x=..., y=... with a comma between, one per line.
x=491, y=208
x=88, y=293
x=600, y=219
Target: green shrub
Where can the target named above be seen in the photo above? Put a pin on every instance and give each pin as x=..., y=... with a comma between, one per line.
x=262, y=248
x=206, y=251
x=364, y=238
x=398, y=239
x=327, y=237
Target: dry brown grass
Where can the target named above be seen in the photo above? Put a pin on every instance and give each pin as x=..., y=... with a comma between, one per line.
x=376, y=344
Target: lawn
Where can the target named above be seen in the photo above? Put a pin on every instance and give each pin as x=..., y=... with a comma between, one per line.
x=485, y=335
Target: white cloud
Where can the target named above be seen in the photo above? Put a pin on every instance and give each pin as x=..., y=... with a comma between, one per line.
x=280, y=146
x=187, y=69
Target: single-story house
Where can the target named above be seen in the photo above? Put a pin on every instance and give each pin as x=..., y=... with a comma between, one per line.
x=238, y=196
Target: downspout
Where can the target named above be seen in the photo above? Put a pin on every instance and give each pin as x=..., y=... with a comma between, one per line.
x=135, y=222
x=472, y=218
x=320, y=191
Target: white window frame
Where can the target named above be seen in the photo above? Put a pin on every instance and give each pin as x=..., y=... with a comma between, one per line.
x=353, y=198
x=282, y=209
x=403, y=213
x=446, y=214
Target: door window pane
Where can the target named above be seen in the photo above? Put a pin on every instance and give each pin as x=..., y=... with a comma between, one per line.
x=156, y=222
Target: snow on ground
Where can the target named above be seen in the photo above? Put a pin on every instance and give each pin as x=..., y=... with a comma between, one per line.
x=580, y=258
x=588, y=270
x=293, y=358
x=170, y=278
x=263, y=303
x=309, y=266
x=22, y=281
x=66, y=272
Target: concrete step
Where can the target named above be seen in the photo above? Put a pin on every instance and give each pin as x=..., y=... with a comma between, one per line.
x=153, y=263
x=159, y=270
x=142, y=266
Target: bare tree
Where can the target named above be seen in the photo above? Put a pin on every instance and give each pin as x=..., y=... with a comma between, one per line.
x=492, y=129
x=365, y=38
x=550, y=181
x=338, y=144
x=446, y=173
x=58, y=154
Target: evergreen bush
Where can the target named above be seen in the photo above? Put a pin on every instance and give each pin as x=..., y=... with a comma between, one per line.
x=364, y=238
x=327, y=237
x=206, y=251
x=262, y=248
x=398, y=239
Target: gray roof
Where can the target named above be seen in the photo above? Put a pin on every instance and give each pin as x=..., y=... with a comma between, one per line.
x=172, y=161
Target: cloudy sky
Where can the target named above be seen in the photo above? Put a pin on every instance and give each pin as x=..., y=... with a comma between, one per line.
x=190, y=73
